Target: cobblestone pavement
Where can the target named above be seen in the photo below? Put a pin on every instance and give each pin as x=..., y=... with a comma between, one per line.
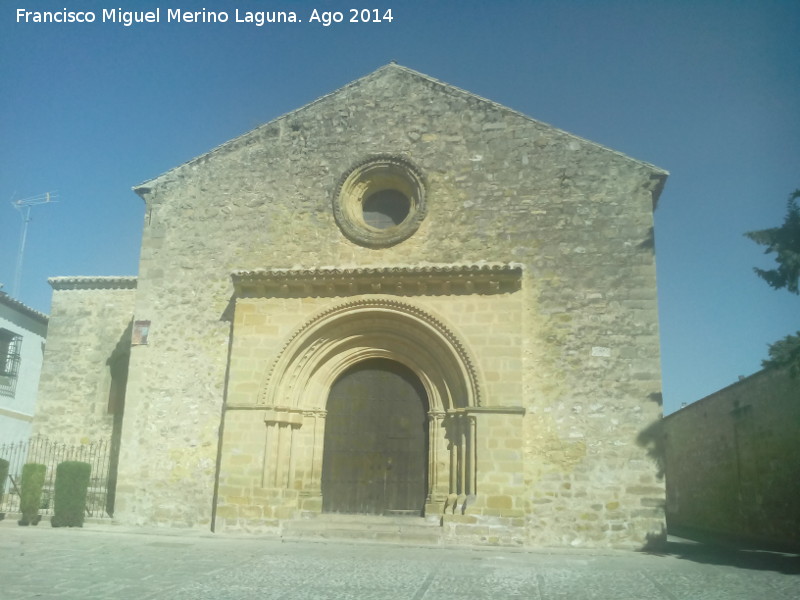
x=112, y=562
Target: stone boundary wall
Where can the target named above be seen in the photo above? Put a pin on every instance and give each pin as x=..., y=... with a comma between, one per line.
x=732, y=461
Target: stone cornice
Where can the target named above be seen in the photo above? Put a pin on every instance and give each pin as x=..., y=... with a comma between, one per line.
x=423, y=280
x=488, y=410
x=93, y=283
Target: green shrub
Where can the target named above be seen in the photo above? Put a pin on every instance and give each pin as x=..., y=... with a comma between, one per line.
x=31, y=493
x=3, y=475
x=72, y=482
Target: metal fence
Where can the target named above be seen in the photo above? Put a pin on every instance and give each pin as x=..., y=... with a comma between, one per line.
x=41, y=450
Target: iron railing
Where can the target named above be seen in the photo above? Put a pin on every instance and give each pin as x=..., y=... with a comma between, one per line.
x=41, y=450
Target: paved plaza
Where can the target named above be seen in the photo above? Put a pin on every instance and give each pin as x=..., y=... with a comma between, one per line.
x=116, y=563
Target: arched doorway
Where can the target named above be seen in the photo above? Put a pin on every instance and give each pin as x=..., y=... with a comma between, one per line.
x=375, y=454
x=343, y=338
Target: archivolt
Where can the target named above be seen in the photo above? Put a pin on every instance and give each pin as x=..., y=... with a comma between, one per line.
x=326, y=345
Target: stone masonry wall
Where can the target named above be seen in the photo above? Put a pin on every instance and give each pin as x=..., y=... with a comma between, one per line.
x=731, y=461
x=89, y=322
x=500, y=187
x=487, y=324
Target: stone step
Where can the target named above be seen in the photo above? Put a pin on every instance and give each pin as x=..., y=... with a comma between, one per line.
x=374, y=528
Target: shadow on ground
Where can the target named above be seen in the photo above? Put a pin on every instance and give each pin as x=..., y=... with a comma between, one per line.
x=731, y=555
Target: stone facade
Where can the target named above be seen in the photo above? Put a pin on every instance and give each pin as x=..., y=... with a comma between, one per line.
x=507, y=264
x=22, y=338
x=90, y=323
x=731, y=462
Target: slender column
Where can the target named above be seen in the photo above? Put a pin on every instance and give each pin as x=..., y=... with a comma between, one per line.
x=461, y=427
x=442, y=459
x=271, y=455
x=432, y=454
x=472, y=454
x=318, y=444
x=435, y=444
x=293, y=452
x=279, y=454
x=308, y=442
x=460, y=466
x=453, y=457
x=284, y=456
x=453, y=462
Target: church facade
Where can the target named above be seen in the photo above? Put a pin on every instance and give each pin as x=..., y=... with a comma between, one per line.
x=401, y=299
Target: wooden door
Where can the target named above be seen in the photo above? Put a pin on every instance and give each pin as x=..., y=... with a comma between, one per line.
x=375, y=456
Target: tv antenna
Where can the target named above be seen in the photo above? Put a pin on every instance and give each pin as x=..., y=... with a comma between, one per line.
x=24, y=207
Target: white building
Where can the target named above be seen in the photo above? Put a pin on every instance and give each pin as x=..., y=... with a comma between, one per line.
x=23, y=331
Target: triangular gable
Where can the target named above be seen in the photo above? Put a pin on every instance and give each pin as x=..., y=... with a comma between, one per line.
x=394, y=70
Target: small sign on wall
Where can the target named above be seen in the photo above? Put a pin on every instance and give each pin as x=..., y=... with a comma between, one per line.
x=140, y=331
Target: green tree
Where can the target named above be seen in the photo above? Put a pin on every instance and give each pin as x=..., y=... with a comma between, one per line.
x=784, y=241
x=785, y=353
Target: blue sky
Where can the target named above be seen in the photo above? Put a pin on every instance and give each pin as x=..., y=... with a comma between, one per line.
x=709, y=91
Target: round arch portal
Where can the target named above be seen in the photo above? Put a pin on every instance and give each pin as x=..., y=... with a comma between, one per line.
x=298, y=386
x=332, y=342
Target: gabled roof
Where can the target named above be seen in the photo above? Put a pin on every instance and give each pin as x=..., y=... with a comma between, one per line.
x=388, y=70
x=23, y=308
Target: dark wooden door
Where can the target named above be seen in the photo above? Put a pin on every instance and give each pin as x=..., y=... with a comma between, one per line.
x=375, y=456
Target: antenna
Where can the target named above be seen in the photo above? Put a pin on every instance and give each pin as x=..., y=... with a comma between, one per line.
x=24, y=208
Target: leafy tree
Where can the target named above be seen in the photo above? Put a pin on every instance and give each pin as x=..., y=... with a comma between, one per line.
x=785, y=353
x=785, y=242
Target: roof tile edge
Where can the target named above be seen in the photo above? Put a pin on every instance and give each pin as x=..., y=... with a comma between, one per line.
x=92, y=283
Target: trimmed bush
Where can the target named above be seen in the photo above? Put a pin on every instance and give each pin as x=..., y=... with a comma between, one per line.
x=72, y=482
x=3, y=475
x=31, y=493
